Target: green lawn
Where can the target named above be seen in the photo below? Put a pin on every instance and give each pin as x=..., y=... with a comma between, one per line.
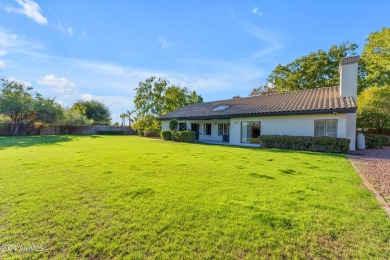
x=125, y=196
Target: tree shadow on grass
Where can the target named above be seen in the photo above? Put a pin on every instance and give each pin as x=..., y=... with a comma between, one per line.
x=27, y=141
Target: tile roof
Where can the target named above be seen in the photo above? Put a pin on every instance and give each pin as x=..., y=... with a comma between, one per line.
x=314, y=101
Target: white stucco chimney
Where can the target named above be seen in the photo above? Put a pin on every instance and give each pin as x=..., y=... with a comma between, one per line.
x=348, y=76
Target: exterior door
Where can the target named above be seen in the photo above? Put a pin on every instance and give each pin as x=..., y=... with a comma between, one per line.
x=195, y=127
x=225, y=132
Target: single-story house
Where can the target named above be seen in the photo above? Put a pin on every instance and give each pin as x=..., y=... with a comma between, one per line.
x=329, y=111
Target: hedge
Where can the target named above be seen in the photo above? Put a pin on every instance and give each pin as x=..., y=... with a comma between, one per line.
x=166, y=135
x=188, y=136
x=306, y=143
x=376, y=141
x=183, y=136
x=112, y=132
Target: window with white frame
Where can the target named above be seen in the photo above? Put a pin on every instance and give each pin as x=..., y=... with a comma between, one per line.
x=207, y=129
x=223, y=129
x=326, y=127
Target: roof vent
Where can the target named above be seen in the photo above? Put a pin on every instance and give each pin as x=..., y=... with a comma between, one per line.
x=220, y=108
x=236, y=97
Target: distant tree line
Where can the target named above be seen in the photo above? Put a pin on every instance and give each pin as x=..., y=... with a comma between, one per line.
x=22, y=108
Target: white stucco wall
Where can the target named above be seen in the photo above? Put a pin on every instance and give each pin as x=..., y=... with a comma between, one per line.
x=299, y=125
x=165, y=125
x=351, y=130
x=214, y=129
x=202, y=137
x=348, y=80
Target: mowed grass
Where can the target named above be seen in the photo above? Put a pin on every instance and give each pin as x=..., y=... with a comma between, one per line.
x=131, y=197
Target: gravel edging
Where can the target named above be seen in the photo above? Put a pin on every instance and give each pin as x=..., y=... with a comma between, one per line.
x=373, y=166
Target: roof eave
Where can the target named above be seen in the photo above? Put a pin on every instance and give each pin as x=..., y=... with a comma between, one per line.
x=282, y=113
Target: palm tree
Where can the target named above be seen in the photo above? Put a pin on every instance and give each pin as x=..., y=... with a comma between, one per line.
x=129, y=115
x=123, y=116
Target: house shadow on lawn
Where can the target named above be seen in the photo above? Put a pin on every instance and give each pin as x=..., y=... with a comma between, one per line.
x=27, y=141
x=276, y=151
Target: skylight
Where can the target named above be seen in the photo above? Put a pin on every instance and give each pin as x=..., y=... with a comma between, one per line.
x=220, y=108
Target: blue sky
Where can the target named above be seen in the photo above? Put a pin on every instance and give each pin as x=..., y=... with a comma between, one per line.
x=92, y=49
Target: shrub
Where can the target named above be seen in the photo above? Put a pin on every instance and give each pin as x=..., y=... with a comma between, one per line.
x=188, y=136
x=151, y=132
x=376, y=141
x=306, y=143
x=111, y=132
x=146, y=124
x=166, y=135
x=173, y=125
x=175, y=136
x=183, y=136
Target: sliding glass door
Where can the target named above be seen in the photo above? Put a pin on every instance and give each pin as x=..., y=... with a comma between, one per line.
x=250, y=132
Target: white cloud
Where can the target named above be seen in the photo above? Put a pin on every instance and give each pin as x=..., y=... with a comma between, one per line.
x=64, y=28
x=30, y=9
x=164, y=43
x=272, y=40
x=26, y=83
x=2, y=64
x=3, y=52
x=59, y=85
x=121, y=102
x=7, y=39
x=256, y=11
x=89, y=97
x=17, y=44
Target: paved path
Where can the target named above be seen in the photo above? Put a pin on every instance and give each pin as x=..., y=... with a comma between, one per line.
x=374, y=164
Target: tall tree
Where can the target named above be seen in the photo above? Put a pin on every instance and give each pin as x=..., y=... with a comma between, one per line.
x=376, y=58
x=265, y=89
x=23, y=108
x=123, y=117
x=129, y=114
x=16, y=102
x=79, y=106
x=374, y=108
x=46, y=110
x=155, y=96
x=73, y=117
x=94, y=110
x=318, y=69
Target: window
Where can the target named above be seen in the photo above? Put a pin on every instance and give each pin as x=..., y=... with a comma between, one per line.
x=223, y=129
x=325, y=127
x=250, y=132
x=182, y=126
x=220, y=108
x=207, y=129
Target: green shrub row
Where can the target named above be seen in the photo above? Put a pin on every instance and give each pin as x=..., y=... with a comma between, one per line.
x=179, y=136
x=166, y=135
x=306, y=143
x=376, y=141
x=111, y=132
